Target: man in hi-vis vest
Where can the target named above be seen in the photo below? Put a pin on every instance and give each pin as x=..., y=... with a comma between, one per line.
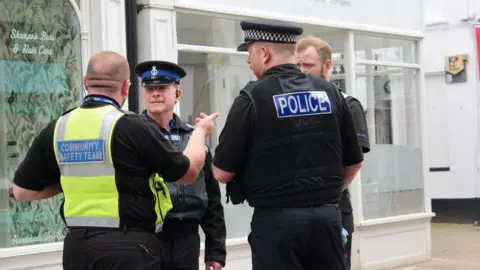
x=111, y=166
x=315, y=57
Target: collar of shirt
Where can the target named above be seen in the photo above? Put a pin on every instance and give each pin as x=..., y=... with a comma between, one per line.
x=175, y=125
x=90, y=101
x=284, y=68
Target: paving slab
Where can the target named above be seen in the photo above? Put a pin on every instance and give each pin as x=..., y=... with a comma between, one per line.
x=454, y=247
x=443, y=264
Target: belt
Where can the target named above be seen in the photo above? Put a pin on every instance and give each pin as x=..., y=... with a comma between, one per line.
x=175, y=228
x=101, y=229
x=296, y=207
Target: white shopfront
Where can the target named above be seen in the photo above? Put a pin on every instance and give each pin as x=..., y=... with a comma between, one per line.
x=377, y=47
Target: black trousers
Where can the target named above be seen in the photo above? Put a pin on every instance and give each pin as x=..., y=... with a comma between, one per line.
x=181, y=253
x=96, y=249
x=297, y=239
x=347, y=223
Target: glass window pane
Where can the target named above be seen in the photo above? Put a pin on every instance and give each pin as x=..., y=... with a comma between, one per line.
x=212, y=83
x=385, y=49
x=220, y=32
x=392, y=182
x=208, y=31
x=40, y=78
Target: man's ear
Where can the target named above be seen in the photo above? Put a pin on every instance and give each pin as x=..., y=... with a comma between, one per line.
x=179, y=93
x=328, y=64
x=266, y=54
x=85, y=85
x=85, y=82
x=125, y=88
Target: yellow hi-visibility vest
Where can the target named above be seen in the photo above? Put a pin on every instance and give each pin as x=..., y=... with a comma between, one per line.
x=82, y=145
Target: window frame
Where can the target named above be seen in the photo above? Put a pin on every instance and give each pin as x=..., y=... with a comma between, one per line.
x=351, y=63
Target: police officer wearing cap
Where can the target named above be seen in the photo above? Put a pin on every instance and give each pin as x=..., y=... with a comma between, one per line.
x=289, y=140
x=195, y=204
x=108, y=163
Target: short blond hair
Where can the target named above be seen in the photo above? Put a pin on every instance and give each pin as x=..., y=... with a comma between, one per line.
x=323, y=49
x=279, y=49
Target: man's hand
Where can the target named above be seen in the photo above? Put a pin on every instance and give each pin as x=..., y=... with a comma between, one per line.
x=206, y=122
x=213, y=266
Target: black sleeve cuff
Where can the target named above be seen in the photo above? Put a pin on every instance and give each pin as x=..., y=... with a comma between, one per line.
x=354, y=160
x=180, y=170
x=365, y=145
x=223, y=165
x=220, y=259
x=27, y=184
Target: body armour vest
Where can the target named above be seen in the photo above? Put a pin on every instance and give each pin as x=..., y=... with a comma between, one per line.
x=189, y=201
x=296, y=155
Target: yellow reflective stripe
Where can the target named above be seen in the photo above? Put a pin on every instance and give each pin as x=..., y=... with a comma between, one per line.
x=158, y=227
x=93, y=222
x=101, y=169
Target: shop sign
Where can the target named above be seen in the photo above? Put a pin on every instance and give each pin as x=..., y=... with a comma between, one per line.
x=28, y=43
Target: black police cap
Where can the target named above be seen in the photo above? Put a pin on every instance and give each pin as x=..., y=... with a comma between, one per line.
x=159, y=73
x=274, y=31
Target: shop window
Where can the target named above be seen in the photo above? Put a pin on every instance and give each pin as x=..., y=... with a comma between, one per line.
x=226, y=33
x=385, y=49
x=212, y=83
x=40, y=78
x=208, y=31
x=392, y=181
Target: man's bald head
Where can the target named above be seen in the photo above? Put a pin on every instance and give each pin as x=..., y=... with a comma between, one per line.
x=107, y=71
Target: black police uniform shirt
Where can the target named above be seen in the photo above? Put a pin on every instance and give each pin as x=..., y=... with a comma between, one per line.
x=195, y=204
x=138, y=150
x=360, y=123
x=283, y=174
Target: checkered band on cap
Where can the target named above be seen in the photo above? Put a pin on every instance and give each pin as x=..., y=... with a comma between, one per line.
x=260, y=35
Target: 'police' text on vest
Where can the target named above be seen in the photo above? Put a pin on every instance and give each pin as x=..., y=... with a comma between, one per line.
x=302, y=104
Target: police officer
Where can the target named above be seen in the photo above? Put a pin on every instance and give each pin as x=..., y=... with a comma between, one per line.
x=290, y=137
x=195, y=204
x=315, y=57
x=105, y=161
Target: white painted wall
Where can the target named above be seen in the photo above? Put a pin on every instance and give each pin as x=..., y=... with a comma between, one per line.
x=388, y=15
x=106, y=27
x=453, y=115
x=187, y=100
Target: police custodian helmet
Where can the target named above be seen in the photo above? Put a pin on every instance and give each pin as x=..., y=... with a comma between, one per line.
x=267, y=30
x=159, y=73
